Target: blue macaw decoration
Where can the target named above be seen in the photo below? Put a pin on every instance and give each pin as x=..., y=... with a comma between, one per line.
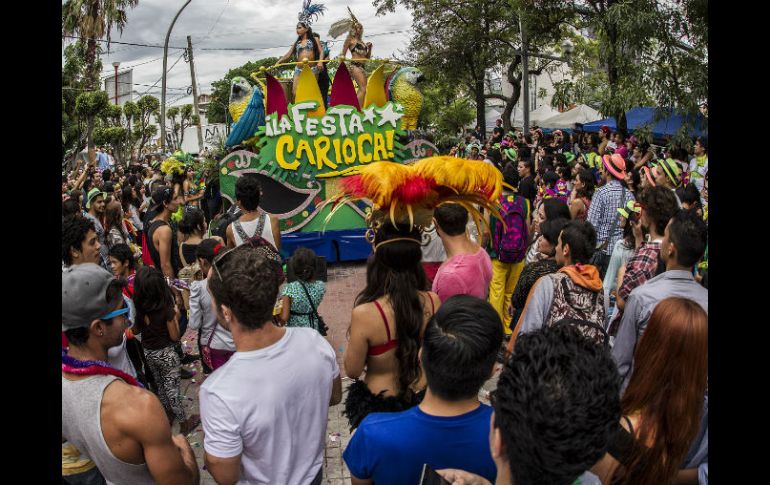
x=247, y=107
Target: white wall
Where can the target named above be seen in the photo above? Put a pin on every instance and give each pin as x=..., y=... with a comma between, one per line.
x=210, y=132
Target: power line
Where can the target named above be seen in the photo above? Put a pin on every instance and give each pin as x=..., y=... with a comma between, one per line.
x=150, y=85
x=280, y=46
x=123, y=43
x=168, y=70
x=131, y=67
x=216, y=21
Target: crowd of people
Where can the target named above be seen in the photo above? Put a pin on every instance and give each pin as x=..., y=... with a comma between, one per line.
x=588, y=284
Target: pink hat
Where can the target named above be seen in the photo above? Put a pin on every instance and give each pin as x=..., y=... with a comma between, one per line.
x=622, y=151
x=646, y=172
x=616, y=165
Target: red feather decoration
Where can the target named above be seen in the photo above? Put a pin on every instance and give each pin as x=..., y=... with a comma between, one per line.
x=414, y=190
x=353, y=185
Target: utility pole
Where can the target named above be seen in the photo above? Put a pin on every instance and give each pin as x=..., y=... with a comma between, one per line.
x=195, y=94
x=115, y=65
x=163, y=88
x=566, y=46
x=524, y=75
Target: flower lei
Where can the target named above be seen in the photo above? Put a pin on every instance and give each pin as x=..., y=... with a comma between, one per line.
x=70, y=365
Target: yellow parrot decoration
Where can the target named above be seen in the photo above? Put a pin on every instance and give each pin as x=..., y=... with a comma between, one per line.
x=402, y=88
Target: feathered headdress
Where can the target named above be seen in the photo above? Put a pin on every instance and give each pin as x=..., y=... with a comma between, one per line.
x=408, y=194
x=310, y=12
x=343, y=25
x=171, y=165
x=176, y=162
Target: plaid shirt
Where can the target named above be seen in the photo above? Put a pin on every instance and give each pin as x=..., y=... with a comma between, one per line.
x=604, y=211
x=640, y=268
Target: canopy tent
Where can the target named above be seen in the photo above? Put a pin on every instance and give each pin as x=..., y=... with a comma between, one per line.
x=537, y=116
x=577, y=115
x=642, y=116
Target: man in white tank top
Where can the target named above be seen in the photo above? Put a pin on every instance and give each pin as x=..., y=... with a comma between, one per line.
x=117, y=424
x=253, y=221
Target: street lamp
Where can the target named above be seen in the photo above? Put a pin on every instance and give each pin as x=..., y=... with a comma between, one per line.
x=163, y=88
x=115, y=65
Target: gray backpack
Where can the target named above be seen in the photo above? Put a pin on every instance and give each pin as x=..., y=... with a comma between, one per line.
x=573, y=302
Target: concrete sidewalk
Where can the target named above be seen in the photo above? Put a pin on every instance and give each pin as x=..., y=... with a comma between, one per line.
x=345, y=281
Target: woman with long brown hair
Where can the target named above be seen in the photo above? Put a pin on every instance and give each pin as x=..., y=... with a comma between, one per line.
x=306, y=47
x=663, y=402
x=386, y=327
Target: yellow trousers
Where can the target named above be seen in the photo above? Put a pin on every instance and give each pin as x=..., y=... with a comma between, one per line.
x=504, y=279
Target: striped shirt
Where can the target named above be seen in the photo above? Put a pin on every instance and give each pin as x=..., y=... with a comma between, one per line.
x=603, y=213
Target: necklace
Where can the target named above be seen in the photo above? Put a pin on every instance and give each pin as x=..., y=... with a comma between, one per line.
x=71, y=365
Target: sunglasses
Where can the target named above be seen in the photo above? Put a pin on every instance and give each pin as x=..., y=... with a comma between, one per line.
x=121, y=311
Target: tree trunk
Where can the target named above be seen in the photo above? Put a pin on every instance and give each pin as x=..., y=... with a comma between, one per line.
x=481, y=107
x=89, y=140
x=92, y=77
x=515, y=82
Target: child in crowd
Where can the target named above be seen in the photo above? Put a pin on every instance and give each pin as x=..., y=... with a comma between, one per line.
x=302, y=296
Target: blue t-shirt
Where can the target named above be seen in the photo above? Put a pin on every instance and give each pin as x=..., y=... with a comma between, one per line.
x=391, y=448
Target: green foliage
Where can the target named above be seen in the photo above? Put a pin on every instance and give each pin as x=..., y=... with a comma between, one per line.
x=221, y=95
x=457, y=115
x=114, y=136
x=653, y=53
x=148, y=104
x=73, y=84
x=91, y=104
x=144, y=131
x=111, y=114
x=93, y=20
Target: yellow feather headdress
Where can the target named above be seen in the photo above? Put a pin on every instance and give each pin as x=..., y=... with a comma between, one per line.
x=410, y=193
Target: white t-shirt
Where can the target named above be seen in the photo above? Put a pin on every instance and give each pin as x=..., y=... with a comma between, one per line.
x=117, y=357
x=433, y=251
x=250, y=228
x=271, y=407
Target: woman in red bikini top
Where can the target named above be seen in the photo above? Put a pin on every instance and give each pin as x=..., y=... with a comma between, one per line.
x=386, y=327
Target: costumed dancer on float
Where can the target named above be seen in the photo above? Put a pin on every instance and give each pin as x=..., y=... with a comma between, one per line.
x=392, y=311
x=307, y=47
x=358, y=50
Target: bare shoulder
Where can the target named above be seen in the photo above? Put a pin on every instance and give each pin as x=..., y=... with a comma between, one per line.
x=434, y=299
x=133, y=409
x=362, y=313
x=164, y=230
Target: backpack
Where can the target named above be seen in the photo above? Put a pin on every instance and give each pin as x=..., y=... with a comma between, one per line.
x=218, y=226
x=510, y=242
x=574, y=302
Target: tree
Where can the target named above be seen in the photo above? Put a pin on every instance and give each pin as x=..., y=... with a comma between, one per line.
x=469, y=38
x=144, y=131
x=73, y=84
x=88, y=106
x=652, y=52
x=446, y=110
x=93, y=20
x=186, y=120
x=221, y=95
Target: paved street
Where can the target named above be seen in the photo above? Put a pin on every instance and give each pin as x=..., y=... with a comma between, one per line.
x=344, y=282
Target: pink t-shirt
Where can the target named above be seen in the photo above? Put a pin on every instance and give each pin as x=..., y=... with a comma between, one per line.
x=464, y=274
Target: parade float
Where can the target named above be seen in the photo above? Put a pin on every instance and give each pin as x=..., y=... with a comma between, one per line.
x=301, y=150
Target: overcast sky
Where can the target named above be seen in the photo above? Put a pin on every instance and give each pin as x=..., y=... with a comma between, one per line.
x=266, y=26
